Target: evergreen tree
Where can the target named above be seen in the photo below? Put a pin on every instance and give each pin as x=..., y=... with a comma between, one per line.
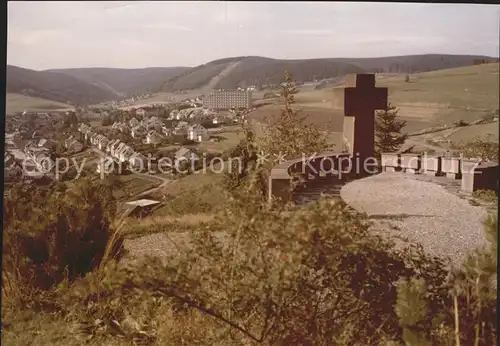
x=289, y=135
x=286, y=137
x=412, y=310
x=388, y=135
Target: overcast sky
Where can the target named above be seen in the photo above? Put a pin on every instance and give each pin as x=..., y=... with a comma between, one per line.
x=43, y=35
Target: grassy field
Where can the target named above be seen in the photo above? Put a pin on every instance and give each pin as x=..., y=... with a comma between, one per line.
x=445, y=96
x=133, y=185
x=464, y=134
x=227, y=140
x=166, y=223
x=192, y=182
x=429, y=99
x=324, y=116
x=194, y=193
x=485, y=131
x=474, y=86
x=18, y=103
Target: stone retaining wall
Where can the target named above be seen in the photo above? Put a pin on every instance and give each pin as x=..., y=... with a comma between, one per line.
x=432, y=165
x=474, y=174
x=322, y=166
x=391, y=162
x=479, y=176
x=452, y=167
x=411, y=163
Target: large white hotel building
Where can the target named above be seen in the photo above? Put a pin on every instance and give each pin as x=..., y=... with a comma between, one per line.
x=226, y=99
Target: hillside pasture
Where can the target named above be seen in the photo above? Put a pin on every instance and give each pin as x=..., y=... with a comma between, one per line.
x=445, y=96
x=18, y=103
x=199, y=192
x=485, y=131
x=325, y=117
x=430, y=99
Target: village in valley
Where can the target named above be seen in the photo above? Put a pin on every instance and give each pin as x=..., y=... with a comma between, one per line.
x=250, y=200
x=109, y=140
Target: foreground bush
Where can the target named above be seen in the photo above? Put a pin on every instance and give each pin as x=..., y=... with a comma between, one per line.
x=257, y=275
x=53, y=235
x=482, y=148
x=284, y=275
x=486, y=195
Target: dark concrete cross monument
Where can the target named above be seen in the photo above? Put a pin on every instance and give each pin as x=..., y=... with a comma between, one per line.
x=355, y=104
x=361, y=102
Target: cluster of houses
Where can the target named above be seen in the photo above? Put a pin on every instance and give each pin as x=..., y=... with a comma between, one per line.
x=194, y=132
x=39, y=154
x=35, y=154
x=10, y=166
x=153, y=131
x=73, y=145
x=194, y=102
x=189, y=113
x=9, y=139
x=129, y=101
x=118, y=152
x=150, y=130
x=200, y=113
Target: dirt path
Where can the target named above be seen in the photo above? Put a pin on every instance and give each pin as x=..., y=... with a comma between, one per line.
x=145, y=176
x=421, y=143
x=461, y=128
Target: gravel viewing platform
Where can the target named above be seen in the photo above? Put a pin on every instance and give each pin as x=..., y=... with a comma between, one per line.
x=425, y=210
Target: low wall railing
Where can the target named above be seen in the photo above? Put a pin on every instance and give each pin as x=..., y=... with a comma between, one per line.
x=475, y=174
x=325, y=165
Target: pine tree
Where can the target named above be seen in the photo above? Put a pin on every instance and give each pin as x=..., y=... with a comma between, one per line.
x=286, y=137
x=412, y=310
x=479, y=280
x=289, y=134
x=388, y=135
